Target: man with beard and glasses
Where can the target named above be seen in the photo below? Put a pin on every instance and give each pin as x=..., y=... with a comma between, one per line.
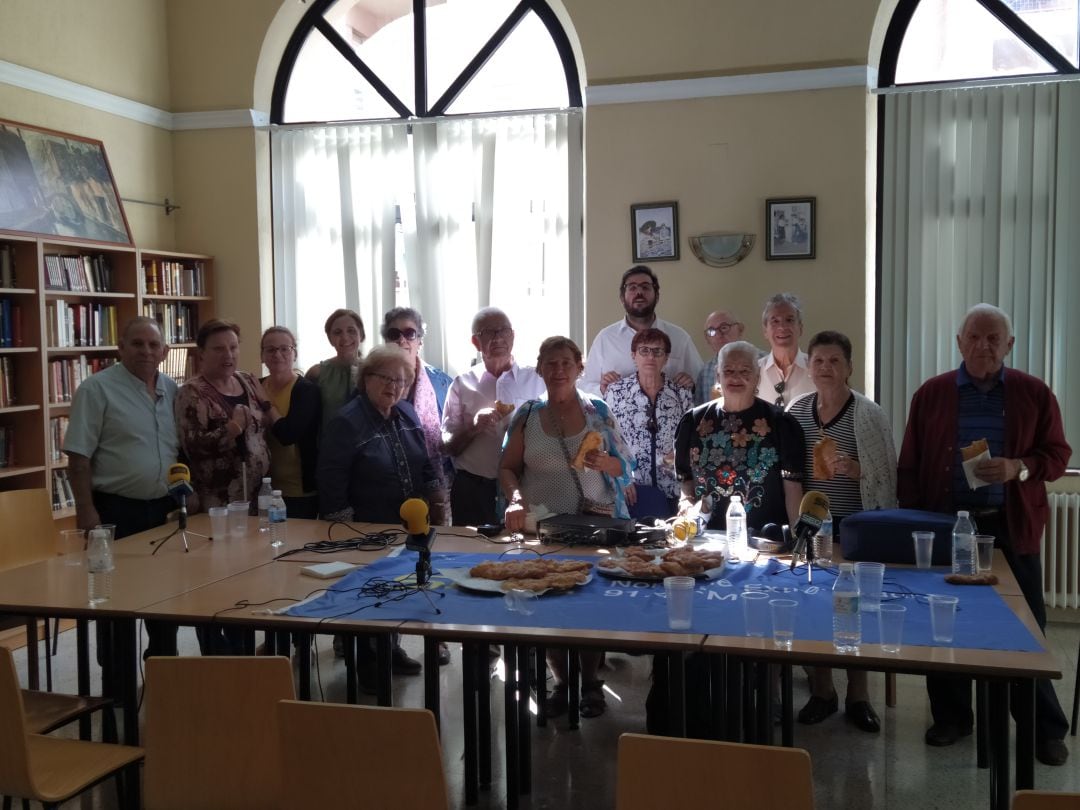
x=610, y=357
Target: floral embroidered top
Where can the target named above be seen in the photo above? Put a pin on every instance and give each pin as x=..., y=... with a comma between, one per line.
x=649, y=428
x=748, y=453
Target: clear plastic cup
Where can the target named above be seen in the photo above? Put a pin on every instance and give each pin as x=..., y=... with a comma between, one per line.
x=984, y=557
x=755, y=612
x=870, y=576
x=680, y=601
x=219, y=522
x=238, y=515
x=943, y=617
x=784, y=612
x=518, y=600
x=70, y=544
x=891, y=626
x=924, y=548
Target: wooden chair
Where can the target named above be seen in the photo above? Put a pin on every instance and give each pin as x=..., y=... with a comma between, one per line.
x=1045, y=800
x=30, y=536
x=211, y=731
x=672, y=772
x=380, y=757
x=48, y=769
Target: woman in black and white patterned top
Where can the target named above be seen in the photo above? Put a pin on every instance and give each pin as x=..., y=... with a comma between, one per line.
x=857, y=473
x=648, y=406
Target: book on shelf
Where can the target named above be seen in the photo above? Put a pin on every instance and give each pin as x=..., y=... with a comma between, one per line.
x=177, y=320
x=7, y=383
x=11, y=334
x=179, y=364
x=63, y=497
x=58, y=426
x=7, y=446
x=165, y=277
x=82, y=273
x=7, y=266
x=81, y=324
x=67, y=374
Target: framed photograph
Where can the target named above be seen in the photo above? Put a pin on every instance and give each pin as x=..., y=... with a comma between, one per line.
x=53, y=184
x=654, y=231
x=789, y=228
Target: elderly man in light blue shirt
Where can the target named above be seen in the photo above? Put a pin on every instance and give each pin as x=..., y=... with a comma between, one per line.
x=121, y=441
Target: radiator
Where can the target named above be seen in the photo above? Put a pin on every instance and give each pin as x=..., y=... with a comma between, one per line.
x=1061, y=552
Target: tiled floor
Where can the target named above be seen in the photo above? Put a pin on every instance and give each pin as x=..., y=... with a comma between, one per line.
x=893, y=770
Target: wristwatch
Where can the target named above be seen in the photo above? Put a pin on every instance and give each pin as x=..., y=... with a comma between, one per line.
x=1024, y=473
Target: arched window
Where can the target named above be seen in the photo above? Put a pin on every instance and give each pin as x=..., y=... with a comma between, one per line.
x=428, y=153
x=979, y=188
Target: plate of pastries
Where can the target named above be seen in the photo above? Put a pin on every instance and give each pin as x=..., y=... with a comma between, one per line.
x=538, y=576
x=652, y=565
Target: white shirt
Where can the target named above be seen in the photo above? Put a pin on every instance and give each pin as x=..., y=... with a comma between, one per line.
x=475, y=390
x=798, y=380
x=610, y=351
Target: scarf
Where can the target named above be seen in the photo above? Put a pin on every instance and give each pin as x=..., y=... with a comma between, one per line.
x=427, y=409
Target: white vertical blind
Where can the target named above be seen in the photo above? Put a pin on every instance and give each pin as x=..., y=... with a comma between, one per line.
x=981, y=195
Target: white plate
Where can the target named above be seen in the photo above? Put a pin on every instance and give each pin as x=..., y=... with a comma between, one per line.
x=618, y=573
x=461, y=578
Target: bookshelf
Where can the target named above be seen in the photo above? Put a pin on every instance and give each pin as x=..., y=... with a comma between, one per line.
x=62, y=305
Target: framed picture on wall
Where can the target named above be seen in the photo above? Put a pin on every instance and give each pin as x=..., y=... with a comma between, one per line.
x=654, y=231
x=54, y=184
x=790, y=228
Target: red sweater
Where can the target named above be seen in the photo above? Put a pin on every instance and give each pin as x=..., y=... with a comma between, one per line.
x=1033, y=434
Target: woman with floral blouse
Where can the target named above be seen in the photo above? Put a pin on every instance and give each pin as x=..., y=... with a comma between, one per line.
x=744, y=447
x=648, y=406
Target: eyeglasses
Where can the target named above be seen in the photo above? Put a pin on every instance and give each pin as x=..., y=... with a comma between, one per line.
x=282, y=350
x=410, y=334
x=720, y=329
x=644, y=286
x=650, y=351
x=396, y=382
x=490, y=334
x=779, y=388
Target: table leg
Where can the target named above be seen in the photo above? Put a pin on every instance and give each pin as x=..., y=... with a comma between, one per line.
x=383, y=648
x=431, y=679
x=483, y=713
x=303, y=647
x=127, y=665
x=33, y=676
x=718, y=691
x=82, y=665
x=524, y=727
x=733, y=695
x=1000, y=792
x=510, y=717
x=787, y=708
x=573, y=683
x=469, y=676
x=348, y=641
x=764, y=703
x=982, y=725
x=1024, y=695
x=747, y=701
x=677, y=694
x=541, y=687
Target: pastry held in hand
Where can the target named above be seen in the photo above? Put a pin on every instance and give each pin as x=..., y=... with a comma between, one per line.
x=973, y=455
x=592, y=441
x=503, y=408
x=825, y=459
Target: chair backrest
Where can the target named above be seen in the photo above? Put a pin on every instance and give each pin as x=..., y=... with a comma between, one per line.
x=29, y=531
x=15, y=778
x=1045, y=800
x=391, y=757
x=211, y=731
x=670, y=772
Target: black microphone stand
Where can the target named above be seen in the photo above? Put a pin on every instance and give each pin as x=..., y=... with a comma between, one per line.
x=807, y=551
x=181, y=530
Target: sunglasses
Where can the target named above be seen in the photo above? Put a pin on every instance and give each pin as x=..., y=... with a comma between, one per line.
x=394, y=335
x=779, y=388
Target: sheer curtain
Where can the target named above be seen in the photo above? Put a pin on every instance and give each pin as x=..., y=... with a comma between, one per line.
x=447, y=216
x=981, y=199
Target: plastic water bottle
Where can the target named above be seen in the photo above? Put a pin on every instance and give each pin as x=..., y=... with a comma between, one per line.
x=266, y=492
x=963, y=545
x=99, y=567
x=736, y=528
x=278, y=519
x=823, y=542
x=846, y=620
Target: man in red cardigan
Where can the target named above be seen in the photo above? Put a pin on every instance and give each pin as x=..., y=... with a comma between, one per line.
x=1019, y=418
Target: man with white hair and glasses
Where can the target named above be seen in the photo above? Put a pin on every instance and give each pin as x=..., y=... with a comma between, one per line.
x=785, y=375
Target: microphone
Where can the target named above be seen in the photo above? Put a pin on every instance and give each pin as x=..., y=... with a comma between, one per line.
x=179, y=483
x=813, y=509
x=414, y=517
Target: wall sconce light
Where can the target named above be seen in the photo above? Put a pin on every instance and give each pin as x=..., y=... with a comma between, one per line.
x=718, y=249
